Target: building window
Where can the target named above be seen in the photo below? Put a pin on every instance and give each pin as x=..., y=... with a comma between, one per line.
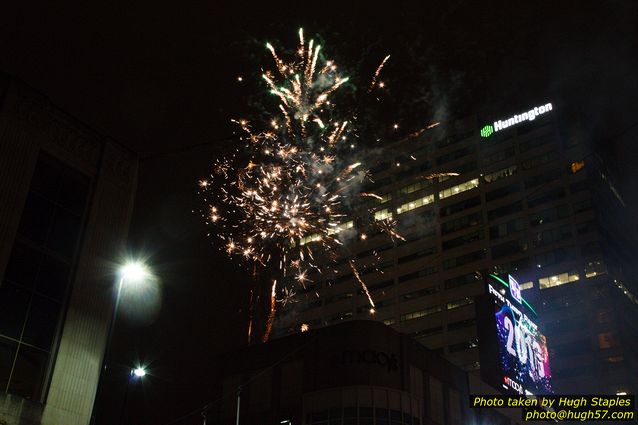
x=420, y=313
x=420, y=254
x=507, y=229
x=462, y=346
x=557, y=280
x=420, y=273
x=500, y=174
x=310, y=238
x=463, y=259
x=427, y=332
x=459, y=303
x=389, y=322
x=539, y=160
x=465, y=279
x=555, y=256
x=543, y=179
x=549, y=215
x=415, y=187
x=539, y=141
x=595, y=268
x=409, y=206
x=543, y=198
x=502, y=192
x=552, y=235
x=459, y=206
x=504, y=210
x=382, y=214
x=462, y=324
x=452, y=156
x=464, y=222
x=499, y=155
x=526, y=285
x=459, y=188
x=38, y=274
x=333, y=230
x=421, y=293
x=463, y=240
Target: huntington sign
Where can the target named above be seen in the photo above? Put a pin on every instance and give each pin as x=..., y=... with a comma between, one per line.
x=516, y=119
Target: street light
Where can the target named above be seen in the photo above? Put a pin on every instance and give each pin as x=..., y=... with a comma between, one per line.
x=139, y=372
x=134, y=375
x=132, y=272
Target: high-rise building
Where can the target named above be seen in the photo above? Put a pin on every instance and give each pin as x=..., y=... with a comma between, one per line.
x=525, y=196
x=66, y=196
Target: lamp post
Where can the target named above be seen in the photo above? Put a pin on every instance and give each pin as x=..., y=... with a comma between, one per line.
x=134, y=375
x=131, y=272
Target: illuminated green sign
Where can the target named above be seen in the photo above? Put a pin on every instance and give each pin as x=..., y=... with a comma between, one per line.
x=487, y=131
x=516, y=119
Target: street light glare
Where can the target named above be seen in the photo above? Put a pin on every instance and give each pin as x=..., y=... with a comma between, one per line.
x=134, y=271
x=139, y=372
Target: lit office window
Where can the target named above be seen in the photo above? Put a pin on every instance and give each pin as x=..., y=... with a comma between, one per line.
x=310, y=238
x=340, y=227
x=459, y=303
x=420, y=313
x=557, y=280
x=382, y=214
x=526, y=285
x=497, y=175
x=595, y=268
x=459, y=188
x=409, y=206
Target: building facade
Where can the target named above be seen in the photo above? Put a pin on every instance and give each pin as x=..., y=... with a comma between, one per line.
x=353, y=373
x=66, y=195
x=532, y=200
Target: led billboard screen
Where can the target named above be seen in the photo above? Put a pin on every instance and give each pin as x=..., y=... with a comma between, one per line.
x=514, y=355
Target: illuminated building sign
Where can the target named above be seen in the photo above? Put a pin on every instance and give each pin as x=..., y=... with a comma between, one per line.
x=513, y=351
x=516, y=119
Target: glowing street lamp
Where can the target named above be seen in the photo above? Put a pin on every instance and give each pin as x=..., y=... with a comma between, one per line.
x=131, y=273
x=139, y=372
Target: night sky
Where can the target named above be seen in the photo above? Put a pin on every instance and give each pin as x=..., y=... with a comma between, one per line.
x=161, y=79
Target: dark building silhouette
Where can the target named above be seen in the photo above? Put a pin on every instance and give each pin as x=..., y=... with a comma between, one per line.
x=66, y=195
x=353, y=373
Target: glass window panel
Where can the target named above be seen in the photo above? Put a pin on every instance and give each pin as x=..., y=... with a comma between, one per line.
x=557, y=280
x=46, y=179
x=36, y=218
x=75, y=193
x=8, y=350
x=28, y=373
x=23, y=265
x=52, y=278
x=349, y=412
x=42, y=321
x=64, y=233
x=13, y=308
x=365, y=412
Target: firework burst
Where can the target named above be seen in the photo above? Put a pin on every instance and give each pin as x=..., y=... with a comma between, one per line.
x=284, y=197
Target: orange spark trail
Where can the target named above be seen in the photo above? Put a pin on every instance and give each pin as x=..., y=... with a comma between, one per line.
x=376, y=73
x=363, y=285
x=271, y=315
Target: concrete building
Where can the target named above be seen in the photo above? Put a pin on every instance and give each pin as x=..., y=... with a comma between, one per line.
x=531, y=200
x=353, y=373
x=66, y=195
